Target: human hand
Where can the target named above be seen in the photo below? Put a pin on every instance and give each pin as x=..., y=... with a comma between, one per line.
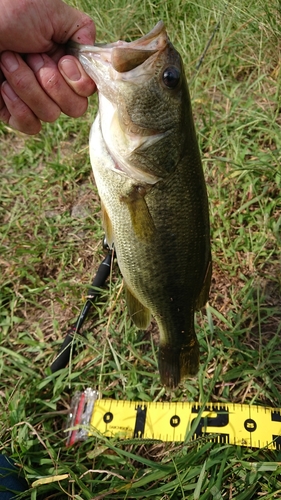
x=38, y=79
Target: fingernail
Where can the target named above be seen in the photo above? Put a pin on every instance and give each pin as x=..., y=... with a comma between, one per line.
x=9, y=61
x=69, y=68
x=35, y=61
x=8, y=91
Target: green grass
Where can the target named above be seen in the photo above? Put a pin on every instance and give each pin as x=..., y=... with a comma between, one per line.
x=51, y=247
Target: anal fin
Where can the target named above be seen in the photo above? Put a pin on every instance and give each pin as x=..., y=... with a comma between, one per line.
x=140, y=314
x=107, y=226
x=204, y=293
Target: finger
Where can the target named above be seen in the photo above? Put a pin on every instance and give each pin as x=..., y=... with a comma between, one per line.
x=3, y=110
x=4, y=113
x=16, y=113
x=22, y=80
x=77, y=25
x=75, y=76
x=56, y=87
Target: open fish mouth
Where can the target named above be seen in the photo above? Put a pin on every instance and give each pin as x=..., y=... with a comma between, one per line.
x=121, y=60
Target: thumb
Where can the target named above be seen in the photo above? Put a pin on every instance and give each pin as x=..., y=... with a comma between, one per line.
x=70, y=23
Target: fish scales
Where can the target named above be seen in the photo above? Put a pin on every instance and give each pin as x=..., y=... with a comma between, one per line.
x=148, y=172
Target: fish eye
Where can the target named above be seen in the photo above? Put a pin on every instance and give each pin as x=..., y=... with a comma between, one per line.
x=171, y=77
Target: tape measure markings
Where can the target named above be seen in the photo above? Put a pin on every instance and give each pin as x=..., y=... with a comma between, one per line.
x=237, y=424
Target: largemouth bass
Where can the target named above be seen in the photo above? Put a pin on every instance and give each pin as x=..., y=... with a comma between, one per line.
x=148, y=171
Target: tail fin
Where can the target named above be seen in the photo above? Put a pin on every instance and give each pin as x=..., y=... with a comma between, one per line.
x=177, y=363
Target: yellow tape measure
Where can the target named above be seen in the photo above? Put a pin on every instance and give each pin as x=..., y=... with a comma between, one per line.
x=237, y=424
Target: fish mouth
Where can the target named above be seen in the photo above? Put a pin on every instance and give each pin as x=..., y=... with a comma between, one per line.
x=120, y=59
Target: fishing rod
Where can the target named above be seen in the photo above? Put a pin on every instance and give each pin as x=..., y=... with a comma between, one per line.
x=68, y=347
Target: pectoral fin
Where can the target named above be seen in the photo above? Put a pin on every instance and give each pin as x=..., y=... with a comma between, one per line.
x=140, y=314
x=141, y=219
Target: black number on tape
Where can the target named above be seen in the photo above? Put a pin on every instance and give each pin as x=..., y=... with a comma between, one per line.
x=277, y=440
x=276, y=417
x=140, y=421
x=220, y=420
